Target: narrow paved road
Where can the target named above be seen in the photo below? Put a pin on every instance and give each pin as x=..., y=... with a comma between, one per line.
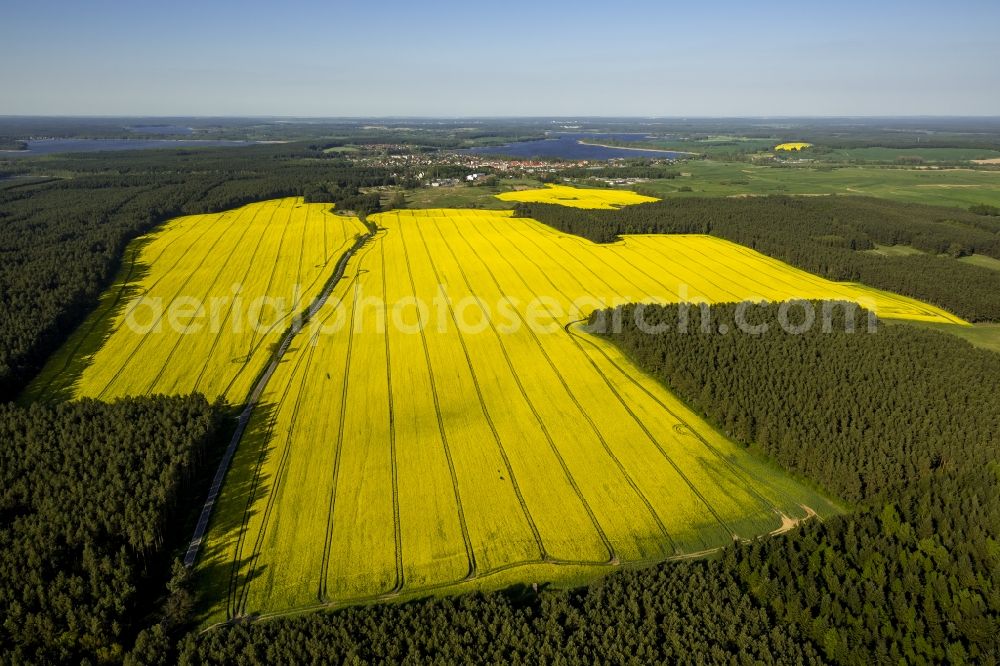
x=258, y=390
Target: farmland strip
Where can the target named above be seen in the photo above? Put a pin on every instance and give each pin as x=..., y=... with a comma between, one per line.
x=483, y=408
x=270, y=280
x=142, y=341
x=208, y=289
x=397, y=528
x=440, y=419
x=623, y=402
x=229, y=311
x=548, y=436
x=338, y=445
x=737, y=471
x=252, y=400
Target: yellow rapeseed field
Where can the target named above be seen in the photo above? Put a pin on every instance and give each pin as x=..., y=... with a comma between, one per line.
x=444, y=423
x=201, y=302
x=577, y=197
x=793, y=145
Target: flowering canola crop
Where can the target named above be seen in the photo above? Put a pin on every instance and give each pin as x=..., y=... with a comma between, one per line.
x=483, y=437
x=202, y=301
x=443, y=422
x=577, y=197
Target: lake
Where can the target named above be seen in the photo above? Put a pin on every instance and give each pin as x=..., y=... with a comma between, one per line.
x=53, y=146
x=567, y=146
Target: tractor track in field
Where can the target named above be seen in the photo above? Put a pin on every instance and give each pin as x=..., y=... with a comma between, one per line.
x=208, y=290
x=145, y=338
x=279, y=473
x=235, y=591
x=572, y=396
x=482, y=402
x=338, y=447
x=397, y=532
x=602, y=535
x=738, y=473
x=470, y=553
x=258, y=390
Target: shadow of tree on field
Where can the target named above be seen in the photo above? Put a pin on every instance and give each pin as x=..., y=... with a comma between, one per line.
x=60, y=378
x=221, y=575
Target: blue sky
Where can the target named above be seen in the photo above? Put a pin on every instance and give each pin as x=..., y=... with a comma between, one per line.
x=347, y=58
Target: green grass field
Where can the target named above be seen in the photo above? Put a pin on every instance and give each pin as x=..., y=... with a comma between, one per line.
x=894, y=154
x=982, y=260
x=942, y=187
x=894, y=250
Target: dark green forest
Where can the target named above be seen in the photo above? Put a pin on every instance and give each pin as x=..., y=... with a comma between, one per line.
x=62, y=239
x=826, y=236
x=92, y=496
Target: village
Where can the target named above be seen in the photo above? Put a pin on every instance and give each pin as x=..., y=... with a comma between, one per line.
x=448, y=168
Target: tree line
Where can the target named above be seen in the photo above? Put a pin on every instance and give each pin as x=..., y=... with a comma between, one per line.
x=826, y=236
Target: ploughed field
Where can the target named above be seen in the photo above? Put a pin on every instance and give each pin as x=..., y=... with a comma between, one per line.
x=442, y=422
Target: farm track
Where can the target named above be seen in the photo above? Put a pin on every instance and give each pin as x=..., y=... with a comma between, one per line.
x=253, y=399
x=272, y=493
x=253, y=349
